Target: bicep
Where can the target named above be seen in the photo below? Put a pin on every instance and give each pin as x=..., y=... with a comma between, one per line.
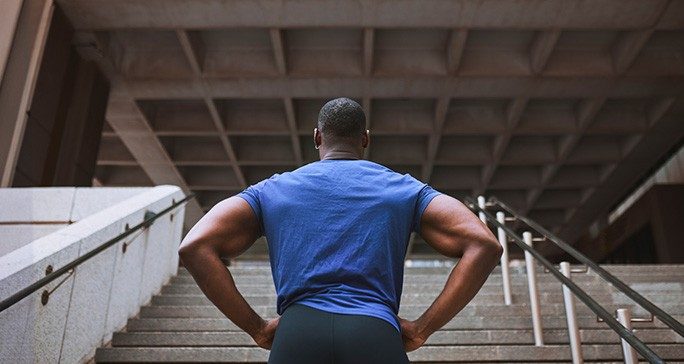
x=229, y=228
x=450, y=227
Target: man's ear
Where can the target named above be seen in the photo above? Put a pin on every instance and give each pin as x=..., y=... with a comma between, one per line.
x=365, y=139
x=317, y=138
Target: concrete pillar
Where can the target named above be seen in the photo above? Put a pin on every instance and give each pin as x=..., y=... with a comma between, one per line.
x=18, y=80
x=9, y=14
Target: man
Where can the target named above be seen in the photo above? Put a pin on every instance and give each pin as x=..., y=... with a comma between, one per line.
x=337, y=232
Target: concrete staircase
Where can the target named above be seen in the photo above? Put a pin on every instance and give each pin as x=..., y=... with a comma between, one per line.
x=181, y=325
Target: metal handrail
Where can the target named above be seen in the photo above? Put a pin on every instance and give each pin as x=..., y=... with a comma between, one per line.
x=625, y=334
x=149, y=219
x=617, y=283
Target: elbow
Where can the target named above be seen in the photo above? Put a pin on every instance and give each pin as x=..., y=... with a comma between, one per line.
x=490, y=248
x=187, y=250
x=498, y=250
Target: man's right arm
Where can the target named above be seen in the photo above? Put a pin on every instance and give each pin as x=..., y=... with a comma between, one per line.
x=453, y=230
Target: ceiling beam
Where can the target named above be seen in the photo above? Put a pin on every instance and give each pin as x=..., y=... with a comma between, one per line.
x=542, y=48
x=190, y=49
x=132, y=126
x=627, y=48
x=454, y=51
x=659, y=109
x=166, y=14
x=225, y=142
x=292, y=125
x=419, y=87
x=585, y=114
x=193, y=50
x=514, y=112
x=278, y=44
x=665, y=133
x=441, y=110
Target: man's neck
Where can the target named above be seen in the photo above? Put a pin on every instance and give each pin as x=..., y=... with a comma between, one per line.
x=339, y=154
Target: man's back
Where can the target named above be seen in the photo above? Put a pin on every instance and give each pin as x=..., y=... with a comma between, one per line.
x=337, y=233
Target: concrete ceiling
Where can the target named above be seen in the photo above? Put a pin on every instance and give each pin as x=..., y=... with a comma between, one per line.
x=557, y=107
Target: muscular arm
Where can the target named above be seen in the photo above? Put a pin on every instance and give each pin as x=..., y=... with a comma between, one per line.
x=226, y=230
x=453, y=230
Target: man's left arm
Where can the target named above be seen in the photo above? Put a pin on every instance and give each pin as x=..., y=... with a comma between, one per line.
x=227, y=230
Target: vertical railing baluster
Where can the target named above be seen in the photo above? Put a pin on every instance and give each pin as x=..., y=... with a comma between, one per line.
x=534, y=295
x=505, y=276
x=482, y=204
x=571, y=316
x=624, y=316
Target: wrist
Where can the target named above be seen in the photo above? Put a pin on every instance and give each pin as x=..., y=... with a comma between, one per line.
x=256, y=329
x=423, y=328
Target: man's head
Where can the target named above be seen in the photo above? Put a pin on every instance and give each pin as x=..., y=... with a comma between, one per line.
x=341, y=125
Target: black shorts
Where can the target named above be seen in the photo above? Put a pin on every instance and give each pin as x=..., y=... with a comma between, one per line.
x=308, y=335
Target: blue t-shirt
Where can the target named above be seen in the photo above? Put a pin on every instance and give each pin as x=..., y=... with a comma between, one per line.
x=337, y=233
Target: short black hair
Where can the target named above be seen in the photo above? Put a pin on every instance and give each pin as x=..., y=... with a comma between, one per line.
x=341, y=118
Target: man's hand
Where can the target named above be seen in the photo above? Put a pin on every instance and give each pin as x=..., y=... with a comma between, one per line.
x=264, y=337
x=412, y=335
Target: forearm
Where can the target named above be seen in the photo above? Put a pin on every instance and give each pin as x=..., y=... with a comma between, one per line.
x=215, y=280
x=464, y=281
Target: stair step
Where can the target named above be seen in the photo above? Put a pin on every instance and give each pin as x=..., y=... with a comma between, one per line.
x=408, y=275
x=660, y=288
x=459, y=322
x=441, y=337
x=651, y=269
x=210, y=311
x=452, y=354
x=546, y=297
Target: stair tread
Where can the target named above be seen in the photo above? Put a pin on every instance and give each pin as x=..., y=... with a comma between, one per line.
x=451, y=353
x=441, y=337
x=459, y=322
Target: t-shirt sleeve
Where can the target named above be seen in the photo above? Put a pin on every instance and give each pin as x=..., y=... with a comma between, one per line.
x=251, y=194
x=425, y=195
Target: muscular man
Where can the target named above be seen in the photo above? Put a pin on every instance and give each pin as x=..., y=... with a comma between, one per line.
x=337, y=232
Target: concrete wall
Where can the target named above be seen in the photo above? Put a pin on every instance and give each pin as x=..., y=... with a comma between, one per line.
x=31, y=213
x=103, y=292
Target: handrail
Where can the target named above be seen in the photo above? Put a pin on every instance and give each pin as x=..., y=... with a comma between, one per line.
x=627, y=335
x=617, y=283
x=148, y=220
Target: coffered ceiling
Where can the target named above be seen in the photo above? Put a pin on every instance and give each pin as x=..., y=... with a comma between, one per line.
x=556, y=107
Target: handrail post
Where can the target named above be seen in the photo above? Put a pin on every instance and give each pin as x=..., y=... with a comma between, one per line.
x=571, y=316
x=534, y=295
x=624, y=316
x=505, y=276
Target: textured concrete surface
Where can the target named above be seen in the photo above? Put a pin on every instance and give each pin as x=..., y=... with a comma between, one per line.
x=15, y=236
x=32, y=213
x=90, y=297
x=29, y=331
x=103, y=292
x=36, y=204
